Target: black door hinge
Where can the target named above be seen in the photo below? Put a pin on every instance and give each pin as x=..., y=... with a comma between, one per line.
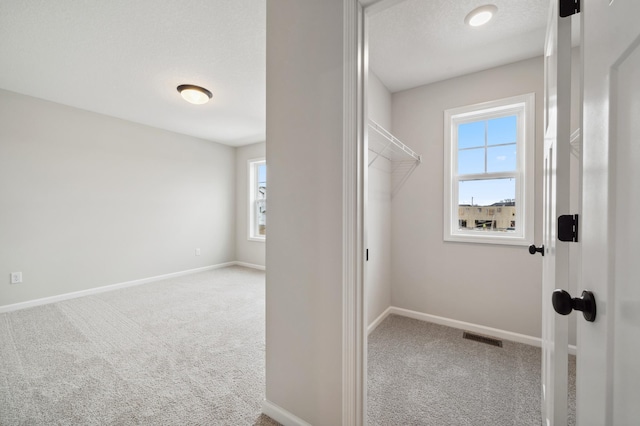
x=568, y=228
x=568, y=7
x=367, y=255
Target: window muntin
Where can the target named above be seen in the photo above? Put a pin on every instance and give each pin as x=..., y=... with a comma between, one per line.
x=489, y=172
x=487, y=145
x=257, y=199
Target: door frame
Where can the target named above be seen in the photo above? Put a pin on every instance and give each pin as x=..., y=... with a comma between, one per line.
x=354, y=335
x=556, y=176
x=354, y=167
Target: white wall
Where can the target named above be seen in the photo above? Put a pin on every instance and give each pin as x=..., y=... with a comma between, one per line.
x=304, y=247
x=88, y=200
x=246, y=251
x=491, y=285
x=378, y=212
x=378, y=101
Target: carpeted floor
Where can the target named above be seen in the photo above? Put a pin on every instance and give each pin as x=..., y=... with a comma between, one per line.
x=427, y=374
x=184, y=351
x=190, y=351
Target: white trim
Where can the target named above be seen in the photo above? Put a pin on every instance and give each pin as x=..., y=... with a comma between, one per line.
x=110, y=287
x=354, y=358
x=523, y=106
x=251, y=265
x=467, y=326
x=378, y=320
x=281, y=415
x=488, y=331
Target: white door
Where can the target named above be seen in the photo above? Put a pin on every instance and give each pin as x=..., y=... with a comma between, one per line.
x=556, y=202
x=608, y=370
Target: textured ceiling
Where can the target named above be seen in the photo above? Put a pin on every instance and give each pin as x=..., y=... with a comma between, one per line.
x=124, y=58
x=416, y=42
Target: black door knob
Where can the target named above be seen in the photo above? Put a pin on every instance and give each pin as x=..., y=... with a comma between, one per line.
x=533, y=249
x=564, y=304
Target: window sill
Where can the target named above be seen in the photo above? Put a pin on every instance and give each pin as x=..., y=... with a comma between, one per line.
x=487, y=239
x=257, y=239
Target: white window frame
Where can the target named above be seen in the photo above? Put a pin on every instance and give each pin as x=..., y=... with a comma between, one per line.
x=253, y=165
x=523, y=107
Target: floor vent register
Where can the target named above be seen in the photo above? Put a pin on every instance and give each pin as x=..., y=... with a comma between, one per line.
x=482, y=339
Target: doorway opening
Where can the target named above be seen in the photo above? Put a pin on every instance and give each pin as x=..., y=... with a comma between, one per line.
x=420, y=65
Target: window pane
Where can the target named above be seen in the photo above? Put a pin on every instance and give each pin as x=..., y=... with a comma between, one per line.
x=471, y=134
x=471, y=161
x=262, y=175
x=261, y=200
x=258, y=199
x=485, y=192
x=487, y=205
x=502, y=130
x=501, y=158
x=261, y=215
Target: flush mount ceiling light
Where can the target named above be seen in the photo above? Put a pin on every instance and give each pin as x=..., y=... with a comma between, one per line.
x=480, y=15
x=194, y=94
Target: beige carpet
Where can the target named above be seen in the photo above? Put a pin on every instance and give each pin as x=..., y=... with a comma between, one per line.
x=184, y=351
x=190, y=351
x=427, y=374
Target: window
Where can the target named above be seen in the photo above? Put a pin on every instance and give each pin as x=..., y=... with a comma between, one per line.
x=257, y=199
x=488, y=172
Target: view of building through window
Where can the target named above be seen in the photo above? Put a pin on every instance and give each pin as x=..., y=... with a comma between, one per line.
x=500, y=216
x=261, y=199
x=487, y=149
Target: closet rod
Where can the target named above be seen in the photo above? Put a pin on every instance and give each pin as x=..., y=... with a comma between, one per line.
x=393, y=140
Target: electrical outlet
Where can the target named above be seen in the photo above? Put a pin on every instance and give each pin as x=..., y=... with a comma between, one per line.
x=197, y=252
x=16, y=277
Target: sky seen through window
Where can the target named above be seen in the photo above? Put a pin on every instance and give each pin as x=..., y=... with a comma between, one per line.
x=487, y=146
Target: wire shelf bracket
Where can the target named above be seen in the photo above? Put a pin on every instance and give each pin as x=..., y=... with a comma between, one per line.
x=403, y=159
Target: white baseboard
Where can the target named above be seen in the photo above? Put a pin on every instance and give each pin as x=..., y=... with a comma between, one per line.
x=467, y=326
x=281, y=415
x=378, y=320
x=102, y=289
x=487, y=331
x=250, y=265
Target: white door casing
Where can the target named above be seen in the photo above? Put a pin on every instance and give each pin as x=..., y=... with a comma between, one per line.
x=608, y=374
x=556, y=201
